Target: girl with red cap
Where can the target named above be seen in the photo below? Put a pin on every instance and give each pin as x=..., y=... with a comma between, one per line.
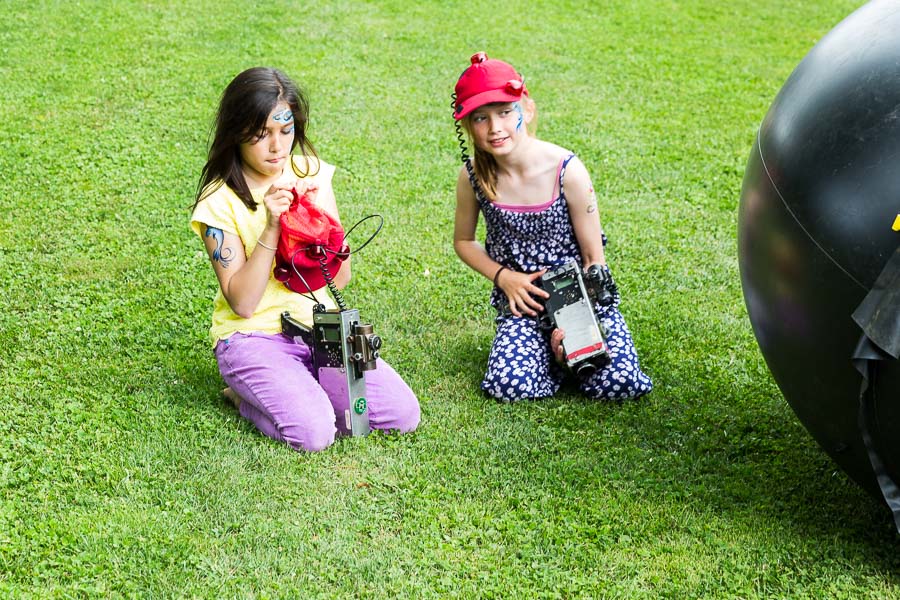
x=540, y=211
x=249, y=182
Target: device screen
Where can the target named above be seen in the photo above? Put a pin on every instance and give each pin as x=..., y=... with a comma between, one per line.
x=331, y=334
x=563, y=282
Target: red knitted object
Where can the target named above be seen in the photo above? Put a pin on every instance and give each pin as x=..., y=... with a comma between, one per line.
x=308, y=233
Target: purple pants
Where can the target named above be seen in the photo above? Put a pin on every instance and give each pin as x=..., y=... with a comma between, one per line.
x=273, y=376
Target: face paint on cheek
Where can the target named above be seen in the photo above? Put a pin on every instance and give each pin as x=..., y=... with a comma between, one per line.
x=518, y=108
x=285, y=116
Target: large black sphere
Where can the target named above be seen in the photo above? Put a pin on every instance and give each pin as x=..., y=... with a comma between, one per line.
x=820, y=195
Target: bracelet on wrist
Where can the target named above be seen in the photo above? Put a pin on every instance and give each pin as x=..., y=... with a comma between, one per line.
x=497, y=275
x=266, y=246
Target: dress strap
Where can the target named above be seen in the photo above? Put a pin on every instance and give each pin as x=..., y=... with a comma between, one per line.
x=561, y=171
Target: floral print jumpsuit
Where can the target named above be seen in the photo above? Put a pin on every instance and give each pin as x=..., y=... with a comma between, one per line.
x=521, y=364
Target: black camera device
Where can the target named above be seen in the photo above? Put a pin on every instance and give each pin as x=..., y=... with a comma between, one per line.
x=570, y=307
x=343, y=349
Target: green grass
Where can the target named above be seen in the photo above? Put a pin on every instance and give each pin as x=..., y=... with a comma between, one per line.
x=124, y=473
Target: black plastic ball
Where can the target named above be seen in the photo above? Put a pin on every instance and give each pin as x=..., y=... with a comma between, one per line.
x=820, y=197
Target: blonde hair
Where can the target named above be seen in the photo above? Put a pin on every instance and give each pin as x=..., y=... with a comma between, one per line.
x=483, y=163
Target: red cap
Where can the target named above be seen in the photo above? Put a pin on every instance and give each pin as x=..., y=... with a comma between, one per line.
x=486, y=81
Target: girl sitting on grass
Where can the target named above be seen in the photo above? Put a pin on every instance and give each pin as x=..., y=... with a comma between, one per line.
x=540, y=212
x=248, y=181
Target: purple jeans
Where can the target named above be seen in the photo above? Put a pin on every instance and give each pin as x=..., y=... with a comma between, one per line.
x=273, y=376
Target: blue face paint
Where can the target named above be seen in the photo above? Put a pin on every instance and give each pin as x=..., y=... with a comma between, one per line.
x=517, y=106
x=285, y=116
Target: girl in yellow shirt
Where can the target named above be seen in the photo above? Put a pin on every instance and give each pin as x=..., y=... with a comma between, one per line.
x=246, y=184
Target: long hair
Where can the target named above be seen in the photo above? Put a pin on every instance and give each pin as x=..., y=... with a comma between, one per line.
x=243, y=112
x=484, y=163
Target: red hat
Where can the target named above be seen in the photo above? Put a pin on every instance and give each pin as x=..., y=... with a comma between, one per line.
x=486, y=81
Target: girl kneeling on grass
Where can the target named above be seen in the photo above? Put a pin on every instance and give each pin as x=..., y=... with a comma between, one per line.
x=249, y=180
x=540, y=212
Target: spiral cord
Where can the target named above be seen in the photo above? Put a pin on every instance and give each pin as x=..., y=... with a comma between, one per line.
x=329, y=281
x=464, y=153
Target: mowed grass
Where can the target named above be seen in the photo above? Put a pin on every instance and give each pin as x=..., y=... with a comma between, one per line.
x=125, y=474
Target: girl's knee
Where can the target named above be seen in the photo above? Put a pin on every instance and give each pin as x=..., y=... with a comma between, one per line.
x=496, y=385
x=393, y=405
x=622, y=385
x=511, y=387
x=493, y=388
x=396, y=411
x=408, y=415
x=308, y=423
x=311, y=436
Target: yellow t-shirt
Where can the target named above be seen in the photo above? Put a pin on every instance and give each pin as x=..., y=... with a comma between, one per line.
x=224, y=210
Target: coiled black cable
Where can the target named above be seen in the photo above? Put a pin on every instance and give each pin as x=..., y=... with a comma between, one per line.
x=464, y=153
x=329, y=281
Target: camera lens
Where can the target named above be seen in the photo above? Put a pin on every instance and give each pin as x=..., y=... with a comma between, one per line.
x=585, y=369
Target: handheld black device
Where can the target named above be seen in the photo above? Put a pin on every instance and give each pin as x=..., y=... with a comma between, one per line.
x=570, y=307
x=343, y=349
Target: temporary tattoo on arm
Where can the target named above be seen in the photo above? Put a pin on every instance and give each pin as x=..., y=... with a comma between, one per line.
x=221, y=254
x=517, y=106
x=285, y=116
x=592, y=201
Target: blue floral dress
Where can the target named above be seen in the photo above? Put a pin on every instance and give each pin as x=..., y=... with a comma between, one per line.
x=521, y=364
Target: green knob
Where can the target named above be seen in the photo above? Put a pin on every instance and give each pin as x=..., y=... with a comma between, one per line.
x=359, y=407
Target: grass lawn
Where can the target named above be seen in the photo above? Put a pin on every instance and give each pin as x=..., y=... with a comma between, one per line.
x=123, y=472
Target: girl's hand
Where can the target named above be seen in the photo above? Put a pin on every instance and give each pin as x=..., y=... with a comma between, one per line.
x=308, y=188
x=277, y=200
x=520, y=289
x=556, y=339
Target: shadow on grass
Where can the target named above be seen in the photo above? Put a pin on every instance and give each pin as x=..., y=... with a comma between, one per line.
x=754, y=463
x=793, y=481
x=204, y=383
x=742, y=456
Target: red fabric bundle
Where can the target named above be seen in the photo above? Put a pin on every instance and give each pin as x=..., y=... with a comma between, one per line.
x=307, y=233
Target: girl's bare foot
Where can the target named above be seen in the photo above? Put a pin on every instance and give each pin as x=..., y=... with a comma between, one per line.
x=232, y=397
